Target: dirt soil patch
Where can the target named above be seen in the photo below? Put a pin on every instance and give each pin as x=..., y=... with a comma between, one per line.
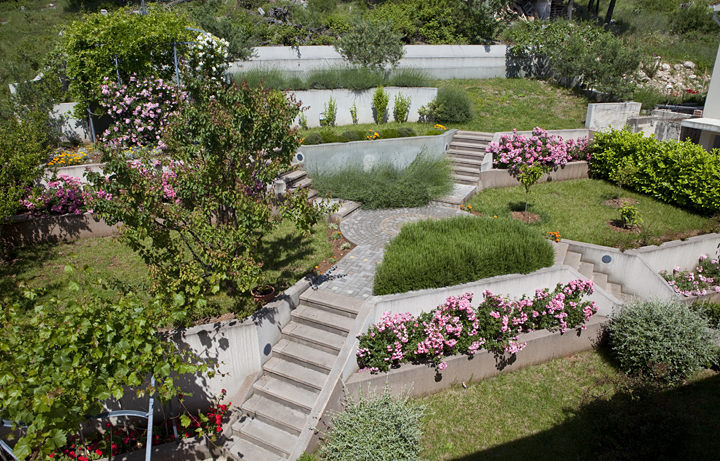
x=340, y=248
x=527, y=217
x=616, y=226
x=619, y=202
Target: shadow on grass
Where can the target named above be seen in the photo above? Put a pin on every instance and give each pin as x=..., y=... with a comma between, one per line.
x=19, y=260
x=677, y=423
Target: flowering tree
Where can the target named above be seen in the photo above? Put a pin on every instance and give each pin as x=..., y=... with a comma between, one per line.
x=529, y=158
x=198, y=213
x=455, y=327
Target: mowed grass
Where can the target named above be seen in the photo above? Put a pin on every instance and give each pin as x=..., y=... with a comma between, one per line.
x=579, y=407
x=576, y=209
x=108, y=268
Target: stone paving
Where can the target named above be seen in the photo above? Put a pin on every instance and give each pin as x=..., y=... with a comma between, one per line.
x=371, y=230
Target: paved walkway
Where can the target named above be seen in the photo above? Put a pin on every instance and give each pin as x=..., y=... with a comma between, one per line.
x=371, y=230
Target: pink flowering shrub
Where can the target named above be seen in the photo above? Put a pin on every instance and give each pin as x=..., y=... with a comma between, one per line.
x=455, y=327
x=577, y=149
x=540, y=149
x=702, y=280
x=139, y=111
x=62, y=195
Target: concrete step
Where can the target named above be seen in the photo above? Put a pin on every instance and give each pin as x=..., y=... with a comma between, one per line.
x=481, y=135
x=466, y=171
x=600, y=279
x=560, y=249
x=293, y=176
x=346, y=207
x=323, y=319
x=301, y=184
x=464, y=179
x=332, y=302
x=467, y=146
x=286, y=392
x=586, y=269
x=474, y=162
x=274, y=413
x=572, y=259
x=615, y=290
x=302, y=353
x=245, y=450
x=314, y=337
x=294, y=372
x=312, y=193
x=268, y=437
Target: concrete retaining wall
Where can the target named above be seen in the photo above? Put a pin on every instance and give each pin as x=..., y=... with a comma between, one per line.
x=494, y=178
x=420, y=380
x=398, y=151
x=26, y=230
x=573, y=133
x=602, y=116
x=438, y=61
x=683, y=253
x=316, y=100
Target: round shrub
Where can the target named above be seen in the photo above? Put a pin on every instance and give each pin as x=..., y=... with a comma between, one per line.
x=385, y=428
x=406, y=132
x=660, y=341
x=433, y=254
x=451, y=105
x=312, y=138
x=353, y=135
x=389, y=133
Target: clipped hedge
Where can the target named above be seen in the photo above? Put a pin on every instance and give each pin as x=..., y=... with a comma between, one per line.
x=433, y=254
x=328, y=135
x=681, y=173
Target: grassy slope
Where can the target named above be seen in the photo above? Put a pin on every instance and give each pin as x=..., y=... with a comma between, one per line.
x=571, y=408
x=575, y=209
x=288, y=256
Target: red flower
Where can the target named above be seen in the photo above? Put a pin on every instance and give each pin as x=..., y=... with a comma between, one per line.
x=98, y=452
x=218, y=429
x=51, y=455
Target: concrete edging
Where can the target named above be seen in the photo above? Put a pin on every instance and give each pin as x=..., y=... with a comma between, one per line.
x=26, y=230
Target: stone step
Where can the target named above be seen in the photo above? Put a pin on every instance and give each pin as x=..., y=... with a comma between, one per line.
x=572, y=259
x=312, y=193
x=467, y=146
x=462, y=153
x=325, y=299
x=600, y=279
x=295, y=372
x=286, y=392
x=615, y=290
x=302, y=353
x=586, y=269
x=274, y=413
x=293, y=176
x=476, y=134
x=301, y=184
x=464, y=161
x=560, y=249
x=464, y=179
x=245, y=450
x=346, y=207
x=323, y=319
x=268, y=437
x=314, y=337
x=466, y=171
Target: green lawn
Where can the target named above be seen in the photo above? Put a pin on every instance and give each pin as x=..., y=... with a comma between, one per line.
x=288, y=256
x=576, y=209
x=579, y=407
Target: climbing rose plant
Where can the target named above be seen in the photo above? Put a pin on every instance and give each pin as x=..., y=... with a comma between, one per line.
x=198, y=213
x=455, y=327
x=61, y=195
x=702, y=280
x=139, y=112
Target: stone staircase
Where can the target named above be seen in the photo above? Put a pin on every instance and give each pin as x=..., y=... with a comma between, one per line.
x=289, y=387
x=466, y=152
x=563, y=255
x=298, y=179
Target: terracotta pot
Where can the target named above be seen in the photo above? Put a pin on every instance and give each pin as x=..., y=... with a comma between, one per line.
x=263, y=293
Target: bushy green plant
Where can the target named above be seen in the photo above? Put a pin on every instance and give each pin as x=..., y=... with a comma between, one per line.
x=389, y=133
x=629, y=216
x=379, y=105
x=328, y=116
x=371, y=44
x=467, y=249
x=401, y=108
x=695, y=18
x=385, y=186
x=142, y=45
x=327, y=135
x=322, y=6
x=710, y=311
x=409, y=78
x=681, y=173
x=312, y=138
x=23, y=148
x=353, y=114
x=406, y=131
x=660, y=340
x=353, y=135
x=207, y=16
x=377, y=428
x=452, y=105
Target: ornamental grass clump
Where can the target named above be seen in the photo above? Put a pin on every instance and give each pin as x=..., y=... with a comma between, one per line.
x=455, y=327
x=382, y=428
x=661, y=341
x=702, y=280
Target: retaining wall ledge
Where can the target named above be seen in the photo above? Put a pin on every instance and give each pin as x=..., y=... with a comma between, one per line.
x=25, y=230
x=496, y=177
x=683, y=253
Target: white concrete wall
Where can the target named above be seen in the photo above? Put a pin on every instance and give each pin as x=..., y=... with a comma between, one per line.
x=438, y=61
x=73, y=130
x=603, y=116
x=316, y=100
x=683, y=253
x=712, y=102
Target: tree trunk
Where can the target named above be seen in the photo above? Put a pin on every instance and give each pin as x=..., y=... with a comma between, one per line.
x=590, y=5
x=570, y=10
x=597, y=8
x=610, y=10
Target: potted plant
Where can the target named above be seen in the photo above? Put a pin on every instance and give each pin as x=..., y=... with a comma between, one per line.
x=263, y=292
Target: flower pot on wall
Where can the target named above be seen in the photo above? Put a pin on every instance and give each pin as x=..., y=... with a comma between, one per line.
x=262, y=294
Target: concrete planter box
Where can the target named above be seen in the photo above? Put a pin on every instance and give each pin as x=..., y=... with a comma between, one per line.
x=400, y=152
x=26, y=230
x=496, y=177
x=316, y=100
x=542, y=346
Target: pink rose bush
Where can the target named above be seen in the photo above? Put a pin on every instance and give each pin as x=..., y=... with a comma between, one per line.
x=540, y=149
x=455, y=327
x=62, y=195
x=139, y=111
x=702, y=280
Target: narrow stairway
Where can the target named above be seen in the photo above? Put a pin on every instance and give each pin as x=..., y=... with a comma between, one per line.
x=563, y=255
x=466, y=152
x=298, y=179
x=298, y=368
